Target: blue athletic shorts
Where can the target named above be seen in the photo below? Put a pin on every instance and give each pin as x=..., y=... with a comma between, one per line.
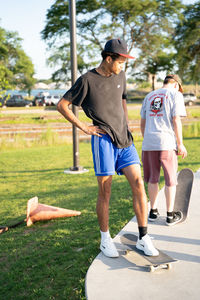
x=107, y=158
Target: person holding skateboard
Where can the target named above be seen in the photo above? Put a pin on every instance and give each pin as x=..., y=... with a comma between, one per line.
x=161, y=128
x=101, y=92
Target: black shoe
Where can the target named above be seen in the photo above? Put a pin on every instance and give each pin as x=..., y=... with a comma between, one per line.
x=176, y=217
x=153, y=215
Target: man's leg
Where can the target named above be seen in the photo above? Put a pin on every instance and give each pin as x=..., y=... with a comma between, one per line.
x=151, y=168
x=102, y=207
x=170, y=166
x=153, y=189
x=173, y=217
x=104, y=166
x=133, y=175
x=170, y=193
x=107, y=246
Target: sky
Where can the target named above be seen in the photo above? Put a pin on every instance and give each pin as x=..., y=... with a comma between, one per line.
x=28, y=17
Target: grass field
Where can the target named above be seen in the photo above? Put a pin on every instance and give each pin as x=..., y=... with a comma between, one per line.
x=49, y=260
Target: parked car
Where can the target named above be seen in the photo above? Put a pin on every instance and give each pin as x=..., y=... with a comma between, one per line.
x=52, y=99
x=39, y=100
x=55, y=99
x=47, y=100
x=17, y=101
x=189, y=98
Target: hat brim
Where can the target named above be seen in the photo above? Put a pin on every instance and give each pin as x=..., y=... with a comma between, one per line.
x=180, y=88
x=126, y=55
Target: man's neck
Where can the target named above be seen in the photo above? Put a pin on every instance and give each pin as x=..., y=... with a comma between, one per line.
x=169, y=86
x=103, y=70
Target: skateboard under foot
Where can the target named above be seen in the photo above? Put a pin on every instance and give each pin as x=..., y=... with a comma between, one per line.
x=152, y=263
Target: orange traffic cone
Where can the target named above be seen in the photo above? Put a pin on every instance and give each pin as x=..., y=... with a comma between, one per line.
x=40, y=212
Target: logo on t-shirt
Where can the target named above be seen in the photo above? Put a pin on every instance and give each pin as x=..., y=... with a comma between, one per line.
x=156, y=104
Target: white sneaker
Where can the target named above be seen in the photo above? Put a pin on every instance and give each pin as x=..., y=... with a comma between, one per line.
x=146, y=245
x=108, y=248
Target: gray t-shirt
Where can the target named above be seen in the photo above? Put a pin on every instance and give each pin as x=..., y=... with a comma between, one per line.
x=101, y=99
x=158, y=108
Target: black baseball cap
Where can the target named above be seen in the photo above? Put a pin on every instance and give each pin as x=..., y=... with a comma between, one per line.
x=117, y=46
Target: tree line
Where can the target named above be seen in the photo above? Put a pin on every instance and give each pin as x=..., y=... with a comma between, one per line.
x=163, y=34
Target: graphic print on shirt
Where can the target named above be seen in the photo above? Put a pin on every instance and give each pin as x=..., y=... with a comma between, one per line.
x=156, y=104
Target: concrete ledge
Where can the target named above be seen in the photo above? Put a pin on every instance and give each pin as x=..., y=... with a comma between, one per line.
x=119, y=278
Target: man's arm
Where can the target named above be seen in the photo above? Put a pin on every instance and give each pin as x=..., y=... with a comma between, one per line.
x=142, y=126
x=63, y=108
x=179, y=138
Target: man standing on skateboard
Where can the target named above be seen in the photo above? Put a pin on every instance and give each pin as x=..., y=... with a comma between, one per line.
x=101, y=93
x=161, y=128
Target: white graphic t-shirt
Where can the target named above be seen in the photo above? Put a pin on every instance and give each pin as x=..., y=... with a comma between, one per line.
x=158, y=108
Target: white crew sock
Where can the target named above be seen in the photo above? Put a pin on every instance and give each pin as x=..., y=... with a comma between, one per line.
x=105, y=235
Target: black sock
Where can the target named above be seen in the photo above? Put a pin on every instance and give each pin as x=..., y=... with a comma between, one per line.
x=142, y=231
x=170, y=214
x=154, y=210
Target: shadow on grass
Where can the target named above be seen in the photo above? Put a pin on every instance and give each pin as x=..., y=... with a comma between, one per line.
x=191, y=138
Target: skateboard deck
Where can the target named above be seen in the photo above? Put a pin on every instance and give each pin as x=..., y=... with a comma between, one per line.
x=152, y=263
x=183, y=191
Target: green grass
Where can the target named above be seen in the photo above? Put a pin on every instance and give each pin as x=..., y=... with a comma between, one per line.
x=49, y=260
x=191, y=130
x=37, y=118
x=193, y=112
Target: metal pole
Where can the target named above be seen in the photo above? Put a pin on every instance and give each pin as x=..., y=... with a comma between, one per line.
x=76, y=169
x=73, y=51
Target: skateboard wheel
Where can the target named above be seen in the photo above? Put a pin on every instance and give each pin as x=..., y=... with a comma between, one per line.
x=151, y=269
x=169, y=266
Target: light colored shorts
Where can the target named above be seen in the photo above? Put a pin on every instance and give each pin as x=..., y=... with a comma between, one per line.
x=153, y=160
x=108, y=159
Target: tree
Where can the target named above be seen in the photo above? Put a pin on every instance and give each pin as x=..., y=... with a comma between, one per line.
x=16, y=68
x=187, y=38
x=159, y=56
x=159, y=62
x=61, y=56
x=138, y=22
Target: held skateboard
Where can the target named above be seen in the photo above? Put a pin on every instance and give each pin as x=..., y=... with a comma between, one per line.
x=152, y=263
x=183, y=191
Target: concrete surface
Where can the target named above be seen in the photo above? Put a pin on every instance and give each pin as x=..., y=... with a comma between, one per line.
x=121, y=279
